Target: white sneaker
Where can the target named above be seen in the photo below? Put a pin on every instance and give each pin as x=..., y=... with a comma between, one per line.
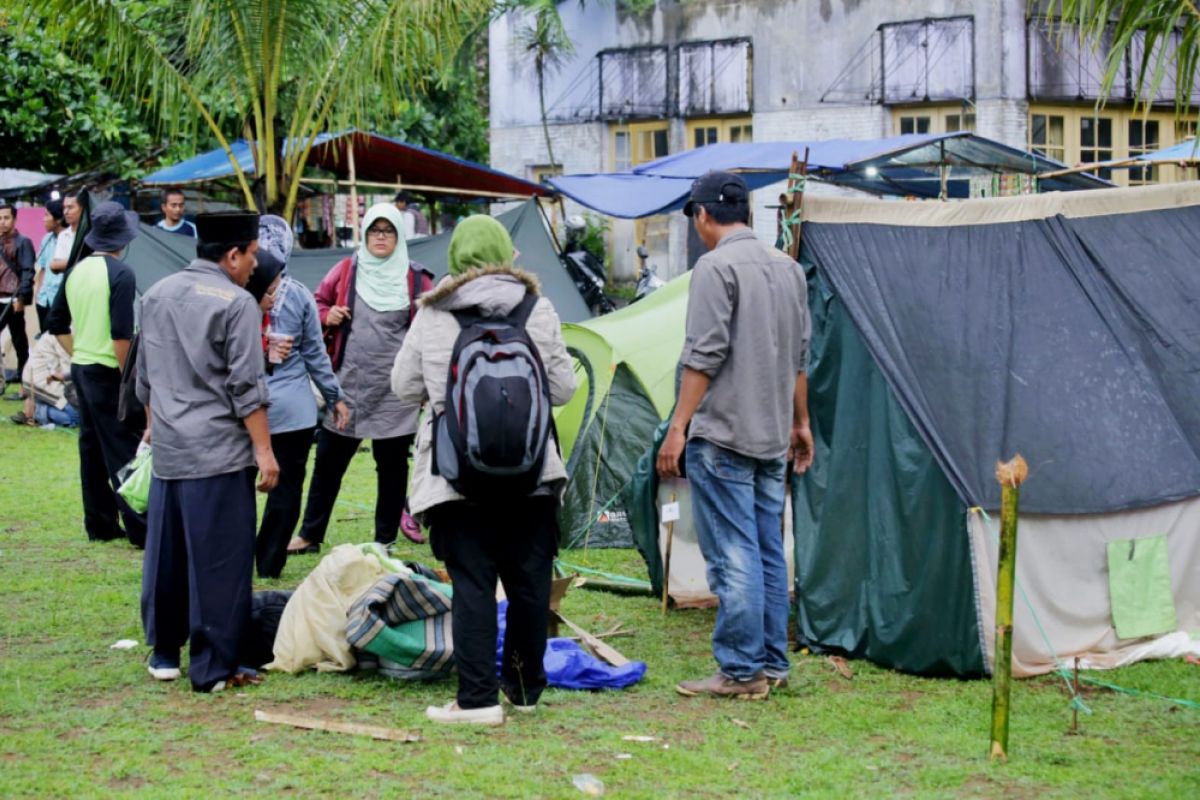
x=451, y=713
x=163, y=668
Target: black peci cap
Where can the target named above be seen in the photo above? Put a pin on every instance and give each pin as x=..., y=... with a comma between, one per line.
x=227, y=226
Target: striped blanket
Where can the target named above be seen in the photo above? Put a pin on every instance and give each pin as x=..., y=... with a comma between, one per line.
x=402, y=623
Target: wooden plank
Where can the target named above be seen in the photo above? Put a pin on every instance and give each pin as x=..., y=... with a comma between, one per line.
x=603, y=651
x=315, y=724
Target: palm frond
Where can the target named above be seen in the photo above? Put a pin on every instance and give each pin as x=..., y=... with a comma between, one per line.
x=1157, y=38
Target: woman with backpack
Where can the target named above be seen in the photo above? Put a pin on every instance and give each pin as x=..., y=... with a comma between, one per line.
x=487, y=331
x=367, y=304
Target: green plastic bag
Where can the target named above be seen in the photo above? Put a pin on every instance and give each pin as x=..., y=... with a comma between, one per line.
x=135, y=481
x=1139, y=585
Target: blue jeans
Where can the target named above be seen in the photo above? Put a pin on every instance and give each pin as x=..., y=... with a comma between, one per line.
x=66, y=417
x=737, y=505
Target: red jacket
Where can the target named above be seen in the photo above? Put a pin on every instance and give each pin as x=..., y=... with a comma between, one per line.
x=337, y=289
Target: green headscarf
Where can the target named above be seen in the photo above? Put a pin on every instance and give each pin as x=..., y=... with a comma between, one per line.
x=479, y=241
x=383, y=282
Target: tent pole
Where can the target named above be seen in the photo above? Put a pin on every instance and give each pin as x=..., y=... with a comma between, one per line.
x=666, y=597
x=1010, y=475
x=354, y=196
x=549, y=225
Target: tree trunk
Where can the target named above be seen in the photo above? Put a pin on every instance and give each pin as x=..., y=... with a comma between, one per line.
x=540, y=66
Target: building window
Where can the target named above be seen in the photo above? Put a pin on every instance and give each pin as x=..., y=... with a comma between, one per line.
x=701, y=132
x=1047, y=136
x=933, y=119
x=928, y=59
x=638, y=142
x=714, y=77
x=1143, y=138
x=1078, y=135
x=1096, y=142
x=633, y=83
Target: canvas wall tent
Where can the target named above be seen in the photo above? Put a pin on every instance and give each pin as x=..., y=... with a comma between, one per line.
x=155, y=253
x=946, y=337
x=949, y=336
x=625, y=363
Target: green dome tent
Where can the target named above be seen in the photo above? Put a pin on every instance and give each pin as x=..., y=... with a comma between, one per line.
x=625, y=362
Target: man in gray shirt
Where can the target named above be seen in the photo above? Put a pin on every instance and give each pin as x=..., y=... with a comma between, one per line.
x=200, y=373
x=742, y=413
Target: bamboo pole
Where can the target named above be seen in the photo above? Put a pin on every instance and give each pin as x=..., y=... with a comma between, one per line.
x=1010, y=475
x=354, y=197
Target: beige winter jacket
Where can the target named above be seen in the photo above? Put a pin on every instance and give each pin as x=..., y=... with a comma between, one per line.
x=419, y=374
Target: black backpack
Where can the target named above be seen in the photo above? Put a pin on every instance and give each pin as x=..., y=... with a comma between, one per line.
x=490, y=439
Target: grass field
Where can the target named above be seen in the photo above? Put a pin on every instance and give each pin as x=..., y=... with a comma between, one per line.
x=80, y=720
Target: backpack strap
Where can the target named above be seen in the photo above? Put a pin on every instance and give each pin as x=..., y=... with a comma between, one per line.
x=520, y=315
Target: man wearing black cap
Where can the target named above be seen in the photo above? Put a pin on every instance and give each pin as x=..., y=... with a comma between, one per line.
x=742, y=410
x=92, y=316
x=201, y=375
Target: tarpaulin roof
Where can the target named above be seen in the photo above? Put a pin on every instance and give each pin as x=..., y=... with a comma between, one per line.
x=378, y=159
x=1186, y=150
x=156, y=253
x=1062, y=327
x=909, y=164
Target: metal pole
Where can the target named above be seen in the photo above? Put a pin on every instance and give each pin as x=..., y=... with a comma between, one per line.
x=354, y=196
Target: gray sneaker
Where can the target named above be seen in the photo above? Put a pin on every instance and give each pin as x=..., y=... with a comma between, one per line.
x=720, y=685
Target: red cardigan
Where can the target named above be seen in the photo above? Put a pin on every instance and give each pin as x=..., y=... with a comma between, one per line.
x=337, y=289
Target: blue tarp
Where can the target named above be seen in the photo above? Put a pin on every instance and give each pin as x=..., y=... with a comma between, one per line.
x=1184, y=151
x=212, y=165
x=379, y=159
x=910, y=164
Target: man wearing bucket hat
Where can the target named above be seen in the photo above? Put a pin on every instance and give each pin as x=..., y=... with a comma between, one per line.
x=200, y=373
x=742, y=409
x=92, y=317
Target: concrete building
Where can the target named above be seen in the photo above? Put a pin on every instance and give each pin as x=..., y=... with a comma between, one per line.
x=693, y=72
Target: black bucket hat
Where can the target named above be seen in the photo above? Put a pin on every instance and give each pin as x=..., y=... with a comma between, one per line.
x=111, y=228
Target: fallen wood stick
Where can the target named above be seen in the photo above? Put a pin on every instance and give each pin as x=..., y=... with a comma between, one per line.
x=843, y=669
x=603, y=651
x=314, y=724
x=605, y=635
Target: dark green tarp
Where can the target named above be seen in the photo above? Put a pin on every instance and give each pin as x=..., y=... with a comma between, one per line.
x=155, y=254
x=883, y=564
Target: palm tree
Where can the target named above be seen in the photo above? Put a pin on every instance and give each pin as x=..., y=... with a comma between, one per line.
x=547, y=41
x=1159, y=37
x=277, y=70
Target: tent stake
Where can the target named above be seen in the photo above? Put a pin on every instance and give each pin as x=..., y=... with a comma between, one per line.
x=667, y=562
x=1010, y=475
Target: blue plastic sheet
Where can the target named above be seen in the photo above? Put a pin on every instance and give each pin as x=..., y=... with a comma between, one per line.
x=568, y=666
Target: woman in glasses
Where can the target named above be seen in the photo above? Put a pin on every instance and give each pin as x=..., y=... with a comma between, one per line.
x=366, y=305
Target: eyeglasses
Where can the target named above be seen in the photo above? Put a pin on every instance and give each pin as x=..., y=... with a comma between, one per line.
x=382, y=233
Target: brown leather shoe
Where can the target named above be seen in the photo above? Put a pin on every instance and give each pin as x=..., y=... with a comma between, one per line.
x=720, y=685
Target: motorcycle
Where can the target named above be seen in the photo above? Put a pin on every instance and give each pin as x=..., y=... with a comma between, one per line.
x=585, y=269
x=648, y=280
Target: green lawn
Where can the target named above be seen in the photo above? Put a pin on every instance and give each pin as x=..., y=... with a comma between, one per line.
x=80, y=720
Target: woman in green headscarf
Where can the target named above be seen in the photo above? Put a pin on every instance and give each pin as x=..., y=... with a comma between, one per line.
x=366, y=304
x=515, y=540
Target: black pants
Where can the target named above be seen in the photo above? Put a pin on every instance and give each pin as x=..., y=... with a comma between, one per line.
x=282, y=511
x=334, y=453
x=479, y=543
x=43, y=312
x=105, y=445
x=15, y=321
x=197, y=571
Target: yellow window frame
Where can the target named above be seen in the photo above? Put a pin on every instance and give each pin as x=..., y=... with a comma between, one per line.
x=1169, y=133
x=706, y=131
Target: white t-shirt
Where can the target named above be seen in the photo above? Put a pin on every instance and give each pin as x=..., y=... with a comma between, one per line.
x=62, y=249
